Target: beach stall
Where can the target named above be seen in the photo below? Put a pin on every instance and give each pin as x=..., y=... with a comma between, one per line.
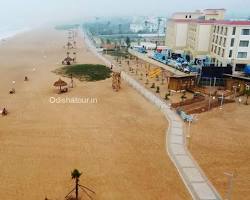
x=178, y=83
x=236, y=83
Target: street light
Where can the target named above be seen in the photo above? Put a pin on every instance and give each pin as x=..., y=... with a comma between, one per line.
x=235, y=89
x=222, y=98
x=230, y=185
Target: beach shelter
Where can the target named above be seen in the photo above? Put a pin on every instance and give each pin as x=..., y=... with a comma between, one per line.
x=60, y=83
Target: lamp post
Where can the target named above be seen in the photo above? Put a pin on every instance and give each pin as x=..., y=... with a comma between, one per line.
x=230, y=185
x=192, y=118
x=210, y=93
x=235, y=89
x=222, y=98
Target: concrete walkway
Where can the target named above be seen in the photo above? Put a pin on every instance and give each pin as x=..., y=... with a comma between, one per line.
x=193, y=177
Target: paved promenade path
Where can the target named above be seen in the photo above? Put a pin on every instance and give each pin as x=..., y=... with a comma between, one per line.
x=193, y=177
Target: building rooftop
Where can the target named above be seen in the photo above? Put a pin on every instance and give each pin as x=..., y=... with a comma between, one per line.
x=238, y=77
x=218, y=22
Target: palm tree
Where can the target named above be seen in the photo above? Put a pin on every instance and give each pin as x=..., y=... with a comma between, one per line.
x=76, y=175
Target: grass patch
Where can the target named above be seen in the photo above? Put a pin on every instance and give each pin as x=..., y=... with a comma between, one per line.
x=118, y=53
x=85, y=72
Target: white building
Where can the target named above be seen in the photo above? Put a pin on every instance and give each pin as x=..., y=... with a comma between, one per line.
x=230, y=43
x=148, y=24
x=207, y=33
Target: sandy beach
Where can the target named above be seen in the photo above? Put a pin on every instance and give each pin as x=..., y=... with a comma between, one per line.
x=220, y=143
x=118, y=143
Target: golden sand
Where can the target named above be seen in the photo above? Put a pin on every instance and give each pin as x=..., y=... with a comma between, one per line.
x=118, y=143
x=220, y=143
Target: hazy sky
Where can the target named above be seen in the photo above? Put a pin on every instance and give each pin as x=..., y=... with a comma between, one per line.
x=44, y=11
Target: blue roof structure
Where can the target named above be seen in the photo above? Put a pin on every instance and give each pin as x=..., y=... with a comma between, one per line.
x=247, y=70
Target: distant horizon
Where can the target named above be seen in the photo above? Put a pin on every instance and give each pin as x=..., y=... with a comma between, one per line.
x=34, y=12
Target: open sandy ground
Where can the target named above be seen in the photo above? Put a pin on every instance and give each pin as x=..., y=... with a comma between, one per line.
x=220, y=142
x=118, y=143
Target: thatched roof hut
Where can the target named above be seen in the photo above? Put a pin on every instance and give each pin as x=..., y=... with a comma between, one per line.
x=60, y=83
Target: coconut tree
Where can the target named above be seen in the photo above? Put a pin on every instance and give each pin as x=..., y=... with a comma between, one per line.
x=75, y=175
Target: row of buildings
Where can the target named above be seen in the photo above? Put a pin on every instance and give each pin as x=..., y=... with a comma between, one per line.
x=206, y=33
x=148, y=25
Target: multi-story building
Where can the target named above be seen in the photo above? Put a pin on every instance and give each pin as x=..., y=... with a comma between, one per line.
x=230, y=43
x=206, y=33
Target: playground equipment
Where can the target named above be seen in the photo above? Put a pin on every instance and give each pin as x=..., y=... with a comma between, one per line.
x=116, y=81
x=155, y=72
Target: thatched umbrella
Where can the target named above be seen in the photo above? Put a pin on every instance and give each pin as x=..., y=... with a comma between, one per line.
x=60, y=83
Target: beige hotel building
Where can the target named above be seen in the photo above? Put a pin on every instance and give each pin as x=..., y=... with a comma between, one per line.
x=206, y=33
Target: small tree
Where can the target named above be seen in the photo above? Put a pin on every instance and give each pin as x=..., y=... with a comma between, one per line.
x=157, y=89
x=167, y=96
x=128, y=42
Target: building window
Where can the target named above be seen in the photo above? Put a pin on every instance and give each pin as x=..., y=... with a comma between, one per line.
x=218, y=29
x=215, y=49
x=245, y=32
x=244, y=43
x=220, y=40
x=224, y=43
x=221, y=30
x=212, y=48
x=230, y=53
x=232, y=42
x=190, y=16
x=214, y=29
x=226, y=31
x=234, y=30
x=218, y=51
x=223, y=52
x=242, y=55
x=216, y=39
